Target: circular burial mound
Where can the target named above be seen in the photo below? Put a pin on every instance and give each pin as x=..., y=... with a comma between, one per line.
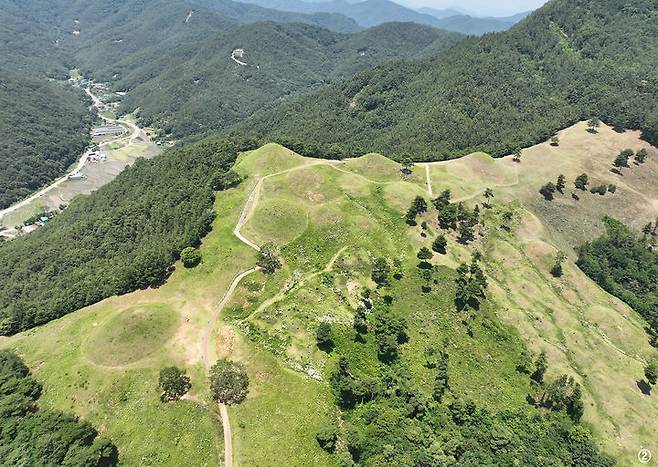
x=132, y=335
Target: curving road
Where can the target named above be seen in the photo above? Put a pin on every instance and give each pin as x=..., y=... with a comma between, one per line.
x=136, y=133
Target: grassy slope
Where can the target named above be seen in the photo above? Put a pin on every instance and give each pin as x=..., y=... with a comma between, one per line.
x=350, y=212
x=584, y=330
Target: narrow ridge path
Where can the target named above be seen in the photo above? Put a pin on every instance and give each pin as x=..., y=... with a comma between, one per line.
x=429, y=181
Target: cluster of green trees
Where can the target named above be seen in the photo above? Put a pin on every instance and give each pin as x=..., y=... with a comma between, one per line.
x=418, y=206
x=562, y=64
x=621, y=263
x=33, y=436
x=560, y=394
x=457, y=216
x=623, y=158
x=471, y=285
x=389, y=418
x=123, y=237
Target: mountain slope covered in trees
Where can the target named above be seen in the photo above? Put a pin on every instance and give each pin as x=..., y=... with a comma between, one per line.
x=29, y=436
x=200, y=88
x=44, y=129
x=568, y=61
x=43, y=124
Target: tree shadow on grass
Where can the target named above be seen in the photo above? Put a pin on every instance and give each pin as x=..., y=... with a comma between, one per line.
x=644, y=387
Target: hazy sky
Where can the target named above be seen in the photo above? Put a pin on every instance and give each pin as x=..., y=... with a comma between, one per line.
x=485, y=7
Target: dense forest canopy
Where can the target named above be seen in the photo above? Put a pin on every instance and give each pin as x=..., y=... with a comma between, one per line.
x=33, y=436
x=123, y=237
x=178, y=68
x=199, y=88
x=568, y=61
x=622, y=264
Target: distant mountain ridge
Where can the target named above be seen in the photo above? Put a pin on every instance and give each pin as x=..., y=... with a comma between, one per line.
x=370, y=13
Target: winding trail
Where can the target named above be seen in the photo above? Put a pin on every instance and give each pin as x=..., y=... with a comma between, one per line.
x=247, y=210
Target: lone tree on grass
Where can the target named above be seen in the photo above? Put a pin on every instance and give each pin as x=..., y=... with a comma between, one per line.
x=600, y=189
x=407, y=166
x=439, y=245
x=327, y=436
x=581, y=182
x=488, y=194
x=442, y=200
x=360, y=323
x=651, y=371
x=556, y=270
x=466, y=233
x=555, y=140
x=190, y=257
x=174, y=383
x=229, y=382
x=517, y=155
x=267, y=258
x=593, y=124
x=561, y=183
x=324, y=337
x=548, y=190
x=380, y=272
x=424, y=254
x=418, y=206
x=471, y=285
x=641, y=156
x=541, y=365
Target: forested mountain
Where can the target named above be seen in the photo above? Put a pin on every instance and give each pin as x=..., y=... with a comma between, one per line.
x=478, y=26
x=200, y=88
x=44, y=128
x=44, y=125
x=367, y=13
x=568, y=61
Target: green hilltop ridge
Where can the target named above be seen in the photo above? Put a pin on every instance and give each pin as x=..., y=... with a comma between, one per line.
x=566, y=62
x=407, y=353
